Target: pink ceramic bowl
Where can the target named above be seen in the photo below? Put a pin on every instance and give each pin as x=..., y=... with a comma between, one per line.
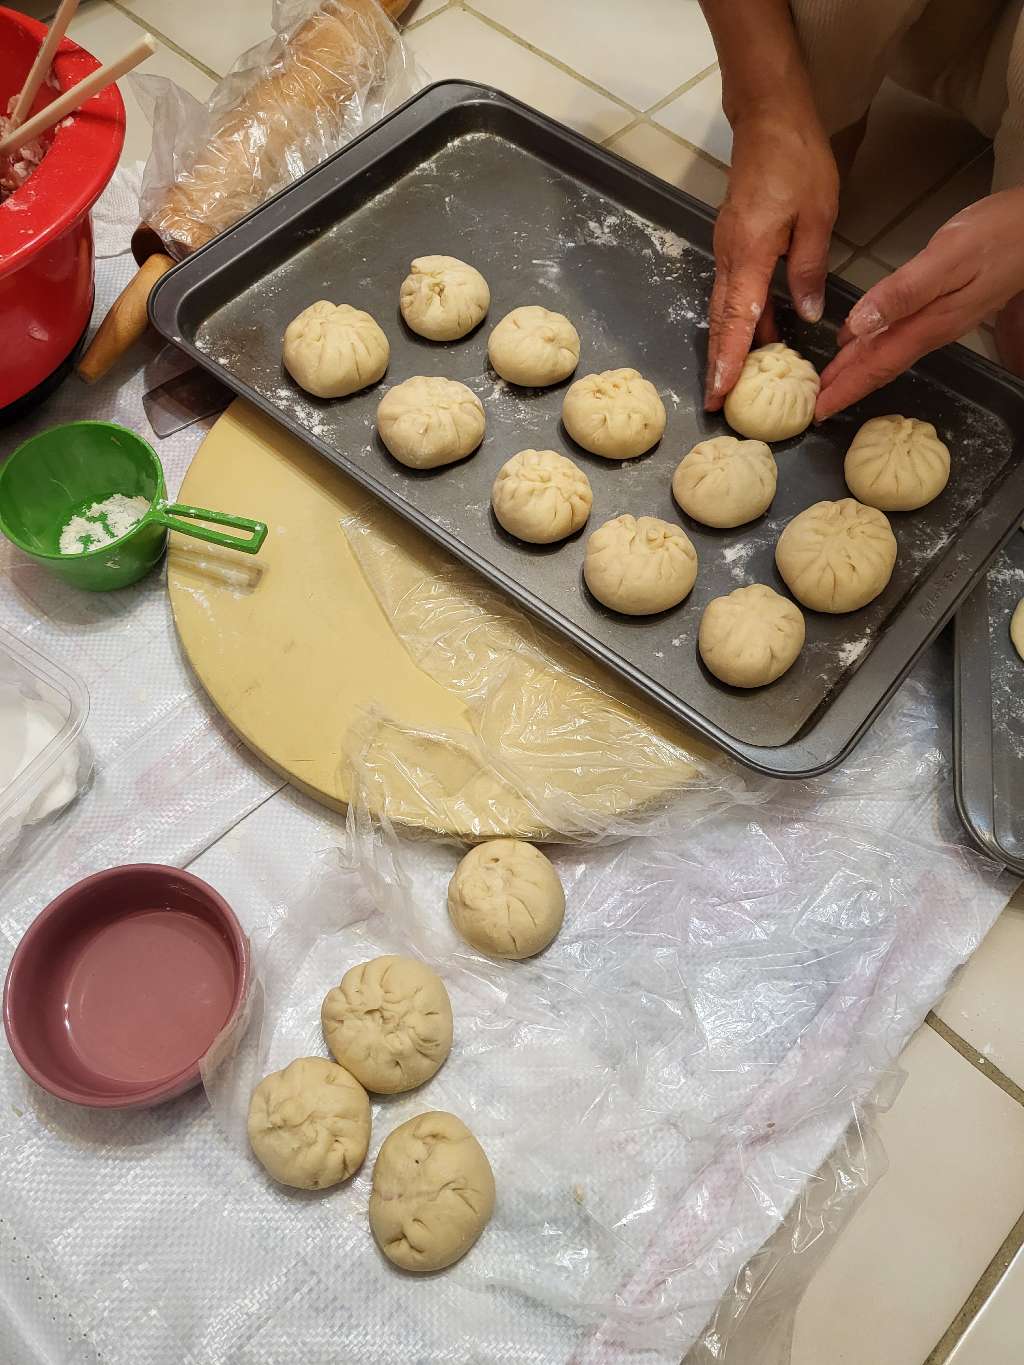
x=121, y=984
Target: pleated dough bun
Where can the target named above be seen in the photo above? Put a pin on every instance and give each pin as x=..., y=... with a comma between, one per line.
x=837, y=556
x=617, y=414
x=750, y=636
x=389, y=1022
x=725, y=482
x=896, y=464
x=433, y=1192
x=443, y=298
x=640, y=565
x=541, y=496
x=533, y=347
x=309, y=1124
x=427, y=421
x=332, y=349
x=505, y=899
x=774, y=397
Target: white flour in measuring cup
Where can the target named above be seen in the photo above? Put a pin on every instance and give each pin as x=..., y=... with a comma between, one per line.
x=103, y=523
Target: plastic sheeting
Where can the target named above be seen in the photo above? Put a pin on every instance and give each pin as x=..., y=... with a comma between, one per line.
x=698, y=1055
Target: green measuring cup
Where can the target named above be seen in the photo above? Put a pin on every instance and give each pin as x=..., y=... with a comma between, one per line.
x=60, y=473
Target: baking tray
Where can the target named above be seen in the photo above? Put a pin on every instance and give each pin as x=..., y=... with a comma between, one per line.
x=989, y=711
x=550, y=218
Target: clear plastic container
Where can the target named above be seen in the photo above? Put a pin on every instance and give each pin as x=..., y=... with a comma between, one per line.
x=44, y=760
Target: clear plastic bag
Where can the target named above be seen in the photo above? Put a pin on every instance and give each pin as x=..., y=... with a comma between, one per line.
x=334, y=68
x=691, y=1066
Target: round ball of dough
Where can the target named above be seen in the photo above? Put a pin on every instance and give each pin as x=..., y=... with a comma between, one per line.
x=837, y=556
x=433, y=1192
x=534, y=347
x=617, y=414
x=389, y=1023
x=443, y=298
x=1017, y=628
x=540, y=496
x=426, y=422
x=725, y=482
x=309, y=1124
x=639, y=565
x=750, y=636
x=896, y=464
x=332, y=349
x=774, y=396
x=505, y=899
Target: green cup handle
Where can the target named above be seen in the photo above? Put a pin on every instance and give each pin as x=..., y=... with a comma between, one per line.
x=169, y=513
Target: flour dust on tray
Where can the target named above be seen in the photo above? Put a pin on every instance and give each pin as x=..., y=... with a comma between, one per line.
x=102, y=523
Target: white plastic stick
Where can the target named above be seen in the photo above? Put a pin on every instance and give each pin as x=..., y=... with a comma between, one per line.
x=71, y=99
x=43, y=61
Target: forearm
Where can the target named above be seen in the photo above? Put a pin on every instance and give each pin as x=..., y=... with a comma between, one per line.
x=762, y=67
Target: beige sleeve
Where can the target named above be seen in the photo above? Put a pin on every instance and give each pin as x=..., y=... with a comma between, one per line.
x=1009, y=139
x=849, y=46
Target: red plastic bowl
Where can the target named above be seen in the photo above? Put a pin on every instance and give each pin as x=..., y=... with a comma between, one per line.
x=122, y=983
x=46, y=257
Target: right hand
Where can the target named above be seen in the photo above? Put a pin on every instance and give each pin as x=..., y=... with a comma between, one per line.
x=782, y=201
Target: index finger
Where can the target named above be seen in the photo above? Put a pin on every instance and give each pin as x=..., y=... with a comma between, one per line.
x=737, y=303
x=866, y=363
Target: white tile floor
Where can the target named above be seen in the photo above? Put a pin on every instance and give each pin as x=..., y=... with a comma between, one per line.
x=920, y=1276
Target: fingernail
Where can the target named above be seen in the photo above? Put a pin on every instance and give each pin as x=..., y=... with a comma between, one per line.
x=864, y=319
x=719, y=377
x=812, y=306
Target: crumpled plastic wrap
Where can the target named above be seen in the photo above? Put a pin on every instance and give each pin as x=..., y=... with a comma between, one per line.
x=333, y=69
x=551, y=753
x=692, y=1065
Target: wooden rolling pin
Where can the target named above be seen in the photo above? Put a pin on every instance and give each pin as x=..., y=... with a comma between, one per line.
x=326, y=61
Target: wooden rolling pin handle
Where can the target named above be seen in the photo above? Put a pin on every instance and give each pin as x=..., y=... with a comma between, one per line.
x=125, y=323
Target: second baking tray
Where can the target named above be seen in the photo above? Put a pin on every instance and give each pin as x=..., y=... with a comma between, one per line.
x=549, y=218
x=989, y=706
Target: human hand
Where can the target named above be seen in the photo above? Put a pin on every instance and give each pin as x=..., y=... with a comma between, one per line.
x=782, y=201
x=972, y=266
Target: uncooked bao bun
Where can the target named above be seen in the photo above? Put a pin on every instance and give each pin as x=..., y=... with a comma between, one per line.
x=533, y=347
x=332, y=349
x=640, y=565
x=540, y=496
x=309, y=1124
x=433, y=1192
x=725, y=482
x=617, y=414
x=837, y=556
x=427, y=421
x=750, y=636
x=896, y=464
x=774, y=397
x=443, y=298
x=389, y=1023
x=505, y=899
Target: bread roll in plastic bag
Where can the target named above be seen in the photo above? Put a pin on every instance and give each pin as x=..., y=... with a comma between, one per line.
x=333, y=69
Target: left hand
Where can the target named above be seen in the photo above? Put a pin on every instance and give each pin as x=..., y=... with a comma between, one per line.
x=971, y=267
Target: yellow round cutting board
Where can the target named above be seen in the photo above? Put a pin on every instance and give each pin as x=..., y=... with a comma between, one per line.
x=294, y=648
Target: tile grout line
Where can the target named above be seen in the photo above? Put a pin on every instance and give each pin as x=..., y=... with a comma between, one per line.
x=418, y=23
x=912, y=208
x=165, y=41
x=976, y=1059
x=675, y=137
x=979, y=1295
x=539, y=52
x=658, y=105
